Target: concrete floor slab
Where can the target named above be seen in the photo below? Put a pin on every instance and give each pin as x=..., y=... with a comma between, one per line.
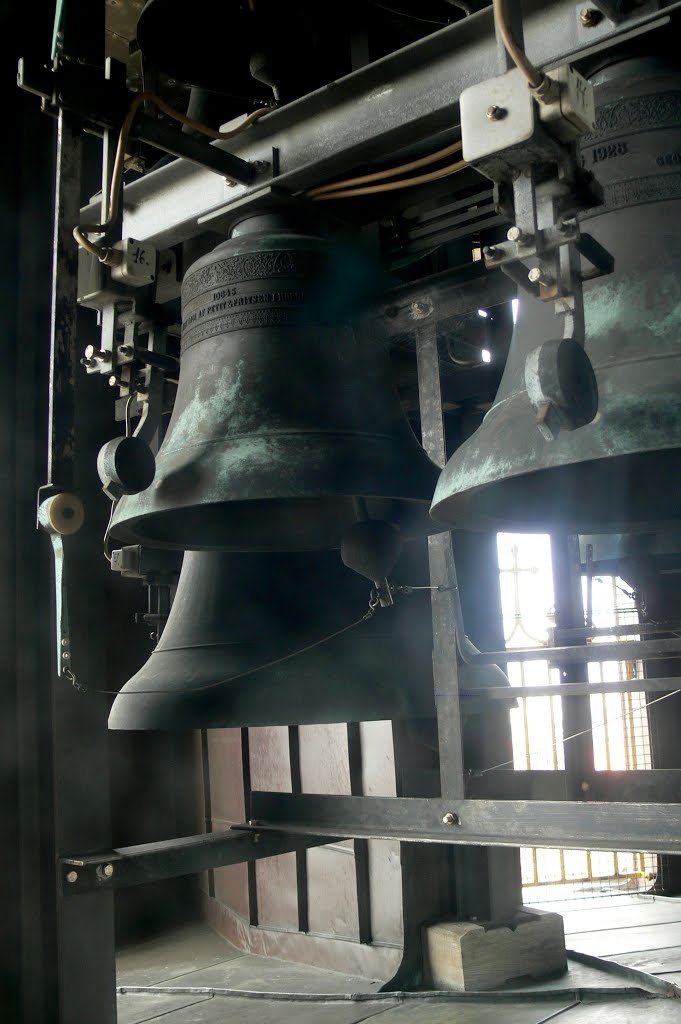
x=188, y=948
x=633, y=1011
x=655, y=961
x=265, y=974
x=636, y=915
x=137, y=1008
x=439, y=1012
x=627, y=940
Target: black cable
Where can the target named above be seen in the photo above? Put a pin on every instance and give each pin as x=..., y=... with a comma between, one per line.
x=369, y=614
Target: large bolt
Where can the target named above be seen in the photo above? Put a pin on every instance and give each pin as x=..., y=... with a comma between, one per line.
x=589, y=17
x=515, y=234
x=450, y=818
x=71, y=877
x=95, y=353
x=536, y=276
x=495, y=113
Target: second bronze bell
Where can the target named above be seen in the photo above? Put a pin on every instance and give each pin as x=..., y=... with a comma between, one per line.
x=235, y=612
x=282, y=417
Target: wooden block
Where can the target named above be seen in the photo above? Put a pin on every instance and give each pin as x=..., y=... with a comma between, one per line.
x=466, y=956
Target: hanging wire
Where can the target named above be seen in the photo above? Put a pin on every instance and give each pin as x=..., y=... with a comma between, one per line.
x=107, y=538
x=374, y=604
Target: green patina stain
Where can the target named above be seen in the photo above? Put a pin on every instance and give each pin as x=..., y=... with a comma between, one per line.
x=216, y=400
x=650, y=304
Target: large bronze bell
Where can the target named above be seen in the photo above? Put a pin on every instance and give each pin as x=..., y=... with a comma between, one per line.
x=234, y=612
x=621, y=472
x=282, y=417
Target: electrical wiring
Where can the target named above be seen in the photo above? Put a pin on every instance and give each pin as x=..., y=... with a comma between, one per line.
x=391, y=186
x=103, y=253
x=534, y=78
x=389, y=172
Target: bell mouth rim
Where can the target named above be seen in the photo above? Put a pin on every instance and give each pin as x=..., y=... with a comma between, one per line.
x=581, y=497
x=293, y=524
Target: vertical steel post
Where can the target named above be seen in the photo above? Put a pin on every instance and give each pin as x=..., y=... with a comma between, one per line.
x=567, y=586
x=442, y=573
x=85, y=926
x=487, y=881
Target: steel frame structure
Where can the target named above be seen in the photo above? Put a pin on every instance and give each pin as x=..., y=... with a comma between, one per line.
x=409, y=96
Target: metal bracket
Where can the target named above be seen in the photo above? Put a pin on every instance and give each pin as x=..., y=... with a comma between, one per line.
x=99, y=102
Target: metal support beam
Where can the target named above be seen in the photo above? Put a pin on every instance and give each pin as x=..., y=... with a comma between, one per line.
x=650, y=827
x=649, y=786
x=442, y=574
x=622, y=651
x=662, y=685
x=85, y=932
x=409, y=95
x=567, y=584
x=151, y=862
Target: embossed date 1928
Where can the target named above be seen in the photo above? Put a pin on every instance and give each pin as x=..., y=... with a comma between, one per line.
x=607, y=151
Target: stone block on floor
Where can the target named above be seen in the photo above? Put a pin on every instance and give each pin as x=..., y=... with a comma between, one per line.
x=469, y=956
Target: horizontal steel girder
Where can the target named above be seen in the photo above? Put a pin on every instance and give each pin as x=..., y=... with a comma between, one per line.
x=530, y=790
x=664, y=683
x=169, y=858
x=653, y=828
x=408, y=96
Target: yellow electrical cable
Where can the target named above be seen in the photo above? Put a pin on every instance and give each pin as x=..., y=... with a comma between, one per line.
x=101, y=252
x=389, y=172
x=518, y=56
x=420, y=179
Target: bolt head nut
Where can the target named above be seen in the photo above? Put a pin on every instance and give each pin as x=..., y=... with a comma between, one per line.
x=589, y=16
x=516, y=234
x=71, y=876
x=495, y=113
x=536, y=276
x=450, y=818
x=108, y=870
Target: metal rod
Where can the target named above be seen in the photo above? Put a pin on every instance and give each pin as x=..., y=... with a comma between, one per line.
x=664, y=683
x=589, y=612
x=631, y=650
x=558, y=633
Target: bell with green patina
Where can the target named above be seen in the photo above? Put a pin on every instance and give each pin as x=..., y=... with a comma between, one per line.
x=283, y=419
x=622, y=471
